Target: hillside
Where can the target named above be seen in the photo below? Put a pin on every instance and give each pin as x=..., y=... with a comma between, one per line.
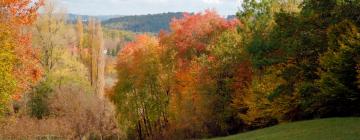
x=73, y=17
x=323, y=129
x=142, y=23
x=151, y=23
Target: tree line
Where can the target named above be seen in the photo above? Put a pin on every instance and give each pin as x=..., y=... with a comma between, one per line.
x=278, y=61
x=152, y=23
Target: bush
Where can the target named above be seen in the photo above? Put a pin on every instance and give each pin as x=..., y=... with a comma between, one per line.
x=38, y=104
x=73, y=114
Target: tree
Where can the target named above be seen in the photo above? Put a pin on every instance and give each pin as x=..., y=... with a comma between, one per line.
x=230, y=68
x=298, y=46
x=80, y=36
x=50, y=35
x=286, y=60
x=194, y=94
x=52, y=38
x=8, y=57
x=21, y=68
x=92, y=51
x=95, y=59
x=305, y=44
x=338, y=76
x=139, y=96
x=254, y=99
x=100, y=61
x=191, y=34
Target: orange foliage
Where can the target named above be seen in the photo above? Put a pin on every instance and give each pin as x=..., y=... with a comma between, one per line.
x=18, y=14
x=189, y=87
x=131, y=49
x=189, y=105
x=191, y=34
x=190, y=38
x=132, y=58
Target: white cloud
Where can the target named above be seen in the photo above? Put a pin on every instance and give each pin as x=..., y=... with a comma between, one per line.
x=212, y=1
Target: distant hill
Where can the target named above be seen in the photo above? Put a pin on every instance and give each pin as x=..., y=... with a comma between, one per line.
x=73, y=17
x=142, y=23
x=231, y=17
x=151, y=23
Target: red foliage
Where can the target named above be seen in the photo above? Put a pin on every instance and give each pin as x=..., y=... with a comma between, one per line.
x=191, y=34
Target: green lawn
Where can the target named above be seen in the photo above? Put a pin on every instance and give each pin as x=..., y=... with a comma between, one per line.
x=323, y=129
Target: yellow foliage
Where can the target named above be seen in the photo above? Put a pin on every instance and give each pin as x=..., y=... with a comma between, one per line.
x=7, y=61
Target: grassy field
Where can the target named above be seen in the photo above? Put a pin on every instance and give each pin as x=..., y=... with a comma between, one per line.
x=323, y=129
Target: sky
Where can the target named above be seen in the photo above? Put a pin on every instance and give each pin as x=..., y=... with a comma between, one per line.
x=140, y=7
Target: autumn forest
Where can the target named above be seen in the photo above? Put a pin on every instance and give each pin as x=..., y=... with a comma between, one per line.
x=202, y=75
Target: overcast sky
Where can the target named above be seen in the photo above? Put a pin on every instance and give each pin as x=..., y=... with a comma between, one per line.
x=137, y=7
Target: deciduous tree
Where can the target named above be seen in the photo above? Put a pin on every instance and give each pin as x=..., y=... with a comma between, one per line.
x=21, y=69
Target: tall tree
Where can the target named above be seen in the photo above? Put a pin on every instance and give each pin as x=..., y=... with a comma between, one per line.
x=20, y=65
x=91, y=49
x=52, y=38
x=194, y=94
x=50, y=35
x=139, y=96
x=297, y=46
x=100, y=60
x=7, y=64
x=80, y=36
x=96, y=58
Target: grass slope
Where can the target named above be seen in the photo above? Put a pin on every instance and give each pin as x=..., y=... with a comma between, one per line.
x=323, y=129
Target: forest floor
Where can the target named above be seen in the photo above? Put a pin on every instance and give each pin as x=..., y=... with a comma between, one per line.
x=322, y=129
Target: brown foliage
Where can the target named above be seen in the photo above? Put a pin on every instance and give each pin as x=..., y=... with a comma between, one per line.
x=74, y=115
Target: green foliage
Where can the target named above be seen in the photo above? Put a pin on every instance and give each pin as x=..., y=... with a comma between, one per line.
x=337, y=83
x=312, y=51
x=69, y=72
x=52, y=37
x=319, y=77
x=38, y=105
x=286, y=61
x=226, y=57
x=114, y=34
